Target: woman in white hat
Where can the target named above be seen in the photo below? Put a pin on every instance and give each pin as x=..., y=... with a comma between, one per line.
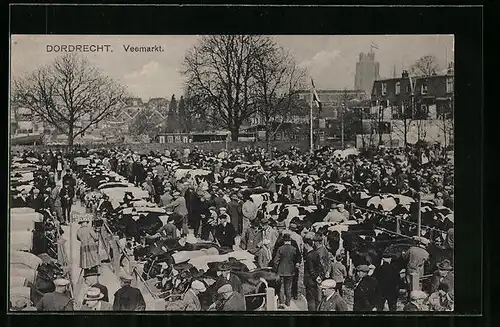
x=89, y=246
x=93, y=301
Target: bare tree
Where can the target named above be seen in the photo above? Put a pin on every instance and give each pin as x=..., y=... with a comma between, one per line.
x=278, y=81
x=69, y=94
x=426, y=66
x=220, y=69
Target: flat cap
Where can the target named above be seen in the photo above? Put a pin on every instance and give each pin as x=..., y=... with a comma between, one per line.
x=126, y=277
x=226, y=288
x=363, y=268
x=328, y=283
x=417, y=295
x=199, y=286
x=61, y=282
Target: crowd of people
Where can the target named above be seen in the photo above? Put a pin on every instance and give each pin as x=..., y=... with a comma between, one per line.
x=231, y=218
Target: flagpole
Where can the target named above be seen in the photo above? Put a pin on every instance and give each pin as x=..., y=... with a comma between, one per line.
x=311, y=143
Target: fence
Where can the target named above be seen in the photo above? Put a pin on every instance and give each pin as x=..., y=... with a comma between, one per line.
x=414, y=279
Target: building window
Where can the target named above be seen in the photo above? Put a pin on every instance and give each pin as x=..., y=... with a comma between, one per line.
x=384, y=88
x=423, y=89
x=398, y=88
x=449, y=85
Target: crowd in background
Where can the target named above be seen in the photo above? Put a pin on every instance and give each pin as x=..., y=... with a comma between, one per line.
x=230, y=218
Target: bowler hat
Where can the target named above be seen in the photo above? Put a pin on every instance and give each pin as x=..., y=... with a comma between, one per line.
x=280, y=224
x=224, y=266
x=444, y=265
x=89, y=274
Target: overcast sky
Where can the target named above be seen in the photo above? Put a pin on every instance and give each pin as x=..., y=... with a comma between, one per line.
x=330, y=60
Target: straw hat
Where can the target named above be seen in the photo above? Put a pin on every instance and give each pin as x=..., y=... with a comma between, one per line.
x=93, y=294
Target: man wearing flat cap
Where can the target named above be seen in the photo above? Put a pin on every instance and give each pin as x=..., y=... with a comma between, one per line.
x=297, y=243
x=57, y=300
x=312, y=273
x=226, y=277
x=229, y=300
x=416, y=302
x=234, y=211
x=417, y=255
x=191, y=296
x=331, y=299
x=286, y=262
x=366, y=295
x=128, y=298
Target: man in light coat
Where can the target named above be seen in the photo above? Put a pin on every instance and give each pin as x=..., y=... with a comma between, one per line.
x=191, y=296
x=249, y=211
x=179, y=207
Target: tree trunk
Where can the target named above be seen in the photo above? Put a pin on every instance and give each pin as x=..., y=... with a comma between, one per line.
x=71, y=138
x=235, y=132
x=405, y=132
x=268, y=138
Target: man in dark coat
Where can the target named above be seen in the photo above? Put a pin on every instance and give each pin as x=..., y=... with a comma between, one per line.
x=139, y=172
x=92, y=279
x=128, y=298
x=57, y=300
x=225, y=232
x=312, y=274
x=21, y=200
x=67, y=194
x=35, y=201
x=365, y=291
x=387, y=275
x=234, y=210
x=229, y=300
x=286, y=261
x=226, y=277
x=324, y=256
x=331, y=299
x=443, y=275
x=69, y=179
x=279, y=242
x=105, y=205
x=417, y=299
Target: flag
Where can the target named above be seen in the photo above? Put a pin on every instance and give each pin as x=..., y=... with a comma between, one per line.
x=316, y=99
x=411, y=83
x=374, y=46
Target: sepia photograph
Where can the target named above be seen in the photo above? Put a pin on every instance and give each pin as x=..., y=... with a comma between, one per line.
x=231, y=173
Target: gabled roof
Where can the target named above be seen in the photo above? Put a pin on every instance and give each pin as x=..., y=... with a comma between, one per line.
x=156, y=112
